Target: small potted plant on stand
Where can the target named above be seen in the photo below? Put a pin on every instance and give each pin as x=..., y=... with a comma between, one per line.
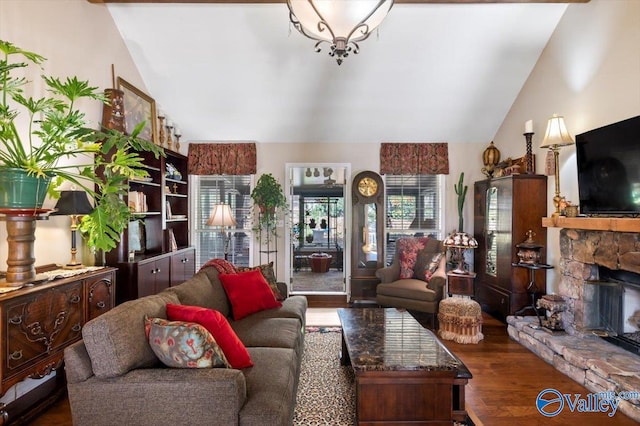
x=55, y=145
x=270, y=199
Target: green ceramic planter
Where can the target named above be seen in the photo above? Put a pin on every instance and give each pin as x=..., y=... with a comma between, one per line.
x=19, y=190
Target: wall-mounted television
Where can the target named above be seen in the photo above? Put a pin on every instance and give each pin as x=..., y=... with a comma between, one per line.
x=609, y=169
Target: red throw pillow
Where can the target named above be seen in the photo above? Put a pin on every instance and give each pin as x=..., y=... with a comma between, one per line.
x=218, y=326
x=248, y=293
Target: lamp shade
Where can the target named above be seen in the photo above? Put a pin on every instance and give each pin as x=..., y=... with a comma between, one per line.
x=73, y=203
x=460, y=240
x=339, y=23
x=557, y=134
x=221, y=216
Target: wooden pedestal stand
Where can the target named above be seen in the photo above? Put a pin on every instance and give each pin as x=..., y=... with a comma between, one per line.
x=21, y=227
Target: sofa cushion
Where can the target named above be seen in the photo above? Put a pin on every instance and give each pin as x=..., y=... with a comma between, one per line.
x=201, y=290
x=181, y=344
x=268, y=274
x=116, y=341
x=219, y=327
x=271, y=387
x=426, y=264
x=271, y=332
x=408, y=249
x=408, y=289
x=248, y=293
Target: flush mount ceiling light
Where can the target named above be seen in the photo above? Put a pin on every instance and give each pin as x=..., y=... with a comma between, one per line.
x=339, y=23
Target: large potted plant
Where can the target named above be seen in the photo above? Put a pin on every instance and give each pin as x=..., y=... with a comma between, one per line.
x=269, y=197
x=52, y=143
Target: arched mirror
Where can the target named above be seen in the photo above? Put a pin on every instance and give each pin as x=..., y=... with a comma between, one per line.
x=317, y=237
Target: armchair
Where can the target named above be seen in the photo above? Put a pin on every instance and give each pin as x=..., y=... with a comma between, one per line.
x=416, y=278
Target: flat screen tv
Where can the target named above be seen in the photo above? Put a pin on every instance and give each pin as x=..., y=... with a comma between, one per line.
x=609, y=169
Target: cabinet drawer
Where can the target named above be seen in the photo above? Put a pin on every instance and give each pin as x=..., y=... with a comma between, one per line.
x=100, y=294
x=37, y=325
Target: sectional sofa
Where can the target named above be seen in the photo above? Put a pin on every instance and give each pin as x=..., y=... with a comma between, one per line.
x=114, y=377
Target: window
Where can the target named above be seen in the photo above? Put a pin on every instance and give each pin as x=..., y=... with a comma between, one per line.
x=210, y=241
x=415, y=206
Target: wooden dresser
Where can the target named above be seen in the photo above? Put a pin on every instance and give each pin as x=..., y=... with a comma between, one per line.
x=38, y=322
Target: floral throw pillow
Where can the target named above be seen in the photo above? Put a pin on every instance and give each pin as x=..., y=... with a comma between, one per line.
x=408, y=249
x=180, y=344
x=426, y=265
x=268, y=274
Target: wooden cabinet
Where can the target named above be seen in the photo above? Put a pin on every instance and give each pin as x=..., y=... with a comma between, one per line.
x=39, y=322
x=504, y=210
x=159, y=232
x=461, y=284
x=148, y=275
x=183, y=265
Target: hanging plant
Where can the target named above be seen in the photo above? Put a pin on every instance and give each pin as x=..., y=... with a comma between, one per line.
x=269, y=196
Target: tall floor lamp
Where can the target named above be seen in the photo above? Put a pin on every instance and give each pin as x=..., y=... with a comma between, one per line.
x=221, y=216
x=73, y=204
x=556, y=137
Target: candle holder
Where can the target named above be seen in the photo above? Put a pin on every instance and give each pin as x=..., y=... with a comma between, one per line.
x=178, y=134
x=528, y=137
x=169, y=127
x=161, y=129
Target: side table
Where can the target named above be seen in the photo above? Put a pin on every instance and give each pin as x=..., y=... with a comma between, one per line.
x=532, y=288
x=461, y=284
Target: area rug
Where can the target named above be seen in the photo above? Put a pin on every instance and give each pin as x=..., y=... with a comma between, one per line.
x=326, y=393
x=311, y=281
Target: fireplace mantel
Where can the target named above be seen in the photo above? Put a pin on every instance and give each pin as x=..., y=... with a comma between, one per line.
x=614, y=224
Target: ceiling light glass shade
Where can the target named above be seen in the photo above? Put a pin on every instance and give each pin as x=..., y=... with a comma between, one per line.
x=339, y=23
x=221, y=216
x=557, y=133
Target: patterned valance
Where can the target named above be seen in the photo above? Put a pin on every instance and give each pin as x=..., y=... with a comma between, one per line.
x=414, y=158
x=222, y=158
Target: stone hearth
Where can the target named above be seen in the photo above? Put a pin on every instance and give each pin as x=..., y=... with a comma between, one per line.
x=578, y=353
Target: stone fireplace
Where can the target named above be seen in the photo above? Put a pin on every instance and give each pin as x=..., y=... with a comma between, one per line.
x=598, y=259
x=593, y=266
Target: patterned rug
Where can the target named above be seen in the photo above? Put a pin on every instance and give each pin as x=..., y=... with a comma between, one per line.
x=311, y=281
x=326, y=393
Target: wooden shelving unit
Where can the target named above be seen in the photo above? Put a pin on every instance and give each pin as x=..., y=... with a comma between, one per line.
x=166, y=257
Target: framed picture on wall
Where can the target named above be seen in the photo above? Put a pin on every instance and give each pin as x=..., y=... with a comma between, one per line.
x=138, y=107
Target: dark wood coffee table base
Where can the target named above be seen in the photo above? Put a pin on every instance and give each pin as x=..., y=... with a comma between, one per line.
x=425, y=388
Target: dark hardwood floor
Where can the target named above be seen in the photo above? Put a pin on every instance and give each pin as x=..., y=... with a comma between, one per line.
x=507, y=378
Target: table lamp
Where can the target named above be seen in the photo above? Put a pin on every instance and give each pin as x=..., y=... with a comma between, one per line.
x=73, y=204
x=555, y=137
x=221, y=216
x=459, y=242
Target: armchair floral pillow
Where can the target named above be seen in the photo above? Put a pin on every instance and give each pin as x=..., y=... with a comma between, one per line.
x=408, y=249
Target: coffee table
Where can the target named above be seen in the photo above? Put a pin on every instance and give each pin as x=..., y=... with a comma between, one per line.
x=404, y=374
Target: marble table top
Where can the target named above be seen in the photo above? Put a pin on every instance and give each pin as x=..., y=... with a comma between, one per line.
x=392, y=340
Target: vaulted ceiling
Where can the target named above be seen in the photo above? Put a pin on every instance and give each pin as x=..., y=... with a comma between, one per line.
x=239, y=71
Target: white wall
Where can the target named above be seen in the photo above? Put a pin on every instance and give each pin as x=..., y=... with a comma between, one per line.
x=589, y=73
x=78, y=38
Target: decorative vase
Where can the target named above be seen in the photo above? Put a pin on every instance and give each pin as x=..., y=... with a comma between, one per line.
x=309, y=238
x=323, y=224
x=19, y=190
x=312, y=223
